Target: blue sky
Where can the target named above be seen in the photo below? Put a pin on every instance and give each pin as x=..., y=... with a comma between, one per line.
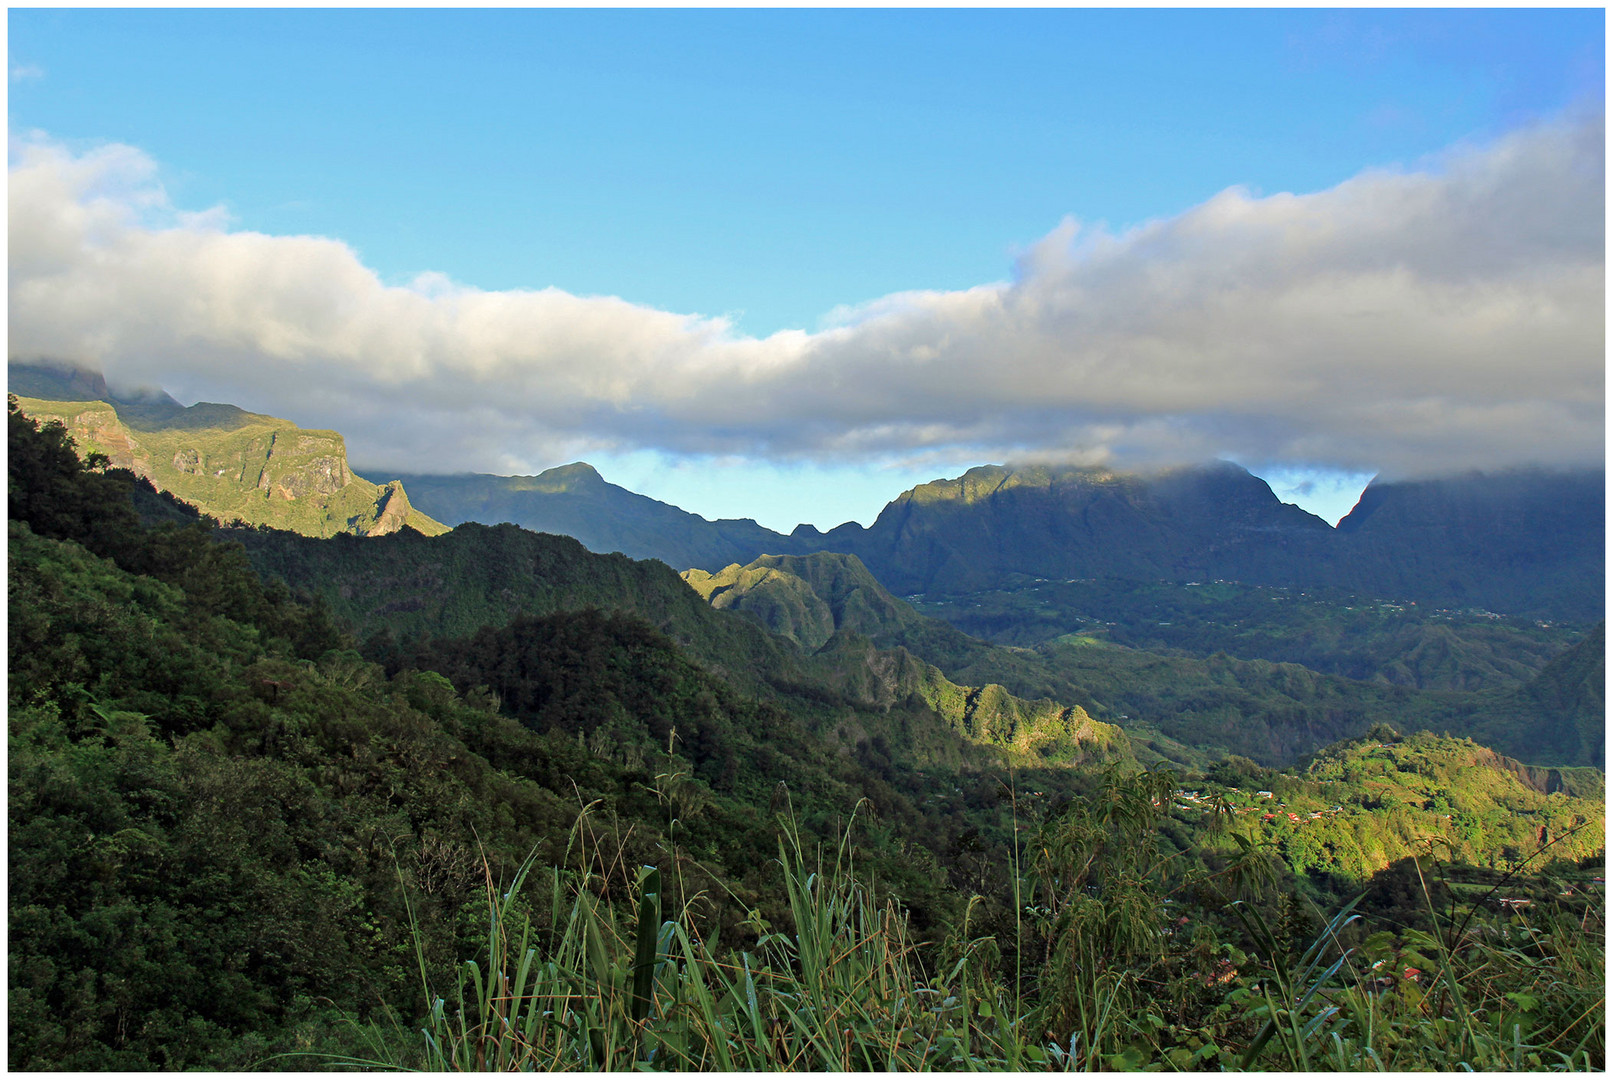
x=774, y=170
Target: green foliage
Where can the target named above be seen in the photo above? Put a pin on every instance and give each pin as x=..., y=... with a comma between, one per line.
x=53, y=491
x=837, y=986
x=1366, y=803
x=837, y=982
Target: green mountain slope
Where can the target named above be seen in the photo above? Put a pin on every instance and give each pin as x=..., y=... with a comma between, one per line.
x=406, y=587
x=1355, y=807
x=1527, y=541
x=231, y=464
x=1571, y=692
x=1277, y=713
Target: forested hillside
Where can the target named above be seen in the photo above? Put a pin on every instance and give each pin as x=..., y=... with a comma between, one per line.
x=1192, y=709
x=222, y=816
x=238, y=831
x=1333, y=631
x=397, y=589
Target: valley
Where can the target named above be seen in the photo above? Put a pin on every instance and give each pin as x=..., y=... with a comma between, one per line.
x=1331, y=631
x=299, y=757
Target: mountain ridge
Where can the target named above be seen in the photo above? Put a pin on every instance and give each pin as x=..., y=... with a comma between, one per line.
x=1525, y=541
x=575, y=500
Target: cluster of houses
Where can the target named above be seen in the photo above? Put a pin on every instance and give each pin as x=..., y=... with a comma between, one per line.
x=1193, y=800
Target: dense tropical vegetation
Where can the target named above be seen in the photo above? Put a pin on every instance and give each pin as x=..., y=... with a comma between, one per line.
x=487, y=800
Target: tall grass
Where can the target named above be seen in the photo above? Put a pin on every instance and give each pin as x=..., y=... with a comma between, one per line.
x=842, y=990
x=603, y=986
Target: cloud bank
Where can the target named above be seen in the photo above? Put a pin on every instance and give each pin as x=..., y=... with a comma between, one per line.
x=1411, y=321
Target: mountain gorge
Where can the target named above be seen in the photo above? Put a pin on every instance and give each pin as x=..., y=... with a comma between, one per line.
x=1268, y=619
x=1191, y=708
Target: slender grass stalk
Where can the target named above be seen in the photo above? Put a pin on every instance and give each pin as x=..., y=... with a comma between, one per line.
x=1019, y=928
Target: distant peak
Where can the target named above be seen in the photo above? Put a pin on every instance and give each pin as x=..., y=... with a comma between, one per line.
x=579, y=475
x=577, y=470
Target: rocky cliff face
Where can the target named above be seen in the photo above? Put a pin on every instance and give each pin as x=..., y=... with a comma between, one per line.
x=97, y=427
x=307, y=464
x=392, y=511
x=229, y=463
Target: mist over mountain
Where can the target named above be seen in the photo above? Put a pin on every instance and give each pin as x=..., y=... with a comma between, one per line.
x=51, y=382
x=1215, y=521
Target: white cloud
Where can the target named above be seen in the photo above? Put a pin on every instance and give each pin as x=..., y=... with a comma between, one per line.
x=23, y=72
x=1410, y=321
